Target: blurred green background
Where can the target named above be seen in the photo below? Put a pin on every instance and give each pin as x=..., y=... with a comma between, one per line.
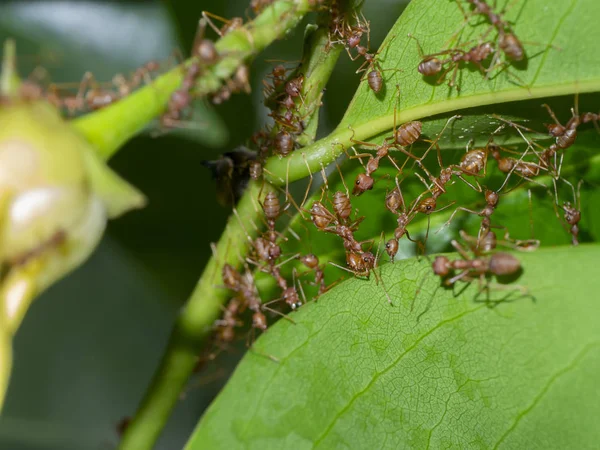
x=88, y=347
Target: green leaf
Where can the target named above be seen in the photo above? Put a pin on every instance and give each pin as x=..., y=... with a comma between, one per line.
x=441, y=368
x=559, y=62
x=117, y=195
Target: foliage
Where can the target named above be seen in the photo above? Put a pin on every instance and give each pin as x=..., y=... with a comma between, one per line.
x=437, y=366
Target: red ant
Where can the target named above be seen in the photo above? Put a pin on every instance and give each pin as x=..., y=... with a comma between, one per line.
x=311, y=261
x=394, y=202
x=572, y=214
x=507, y=41
x=372, y=68
x=430, y=65
x=469, y=268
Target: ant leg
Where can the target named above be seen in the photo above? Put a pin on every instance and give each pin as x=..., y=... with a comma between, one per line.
x=207, y=15
x=551, y=113
x=458, y=277
x=460, y=249
x=309, y=182
x=356, y=274
x=342, y=178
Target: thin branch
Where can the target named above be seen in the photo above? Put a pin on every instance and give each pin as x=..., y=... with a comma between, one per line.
x=194, y=325
x=109, y=128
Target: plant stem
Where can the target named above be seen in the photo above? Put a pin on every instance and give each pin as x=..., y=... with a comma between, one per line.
x=194, y=325
x=109, y=128
x=323, y=152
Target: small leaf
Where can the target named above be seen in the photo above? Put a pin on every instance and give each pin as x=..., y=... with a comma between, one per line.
x=441, y=368
x=117, y=195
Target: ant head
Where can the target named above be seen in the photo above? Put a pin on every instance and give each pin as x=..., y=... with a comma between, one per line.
x=391, y=247
x=291, y=297
x=441, y=266
x=427, y=206
x=363, y=183
x=491, y=197
x=311, y=261
x=555, y=129
x=368, y=259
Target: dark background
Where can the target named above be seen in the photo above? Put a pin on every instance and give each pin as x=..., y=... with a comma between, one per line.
x=88, y=347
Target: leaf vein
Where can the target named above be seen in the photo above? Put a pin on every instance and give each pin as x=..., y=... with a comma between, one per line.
x=569, y=367
x=387, y=369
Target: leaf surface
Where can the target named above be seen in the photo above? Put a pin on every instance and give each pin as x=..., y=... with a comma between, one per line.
x=441, y=368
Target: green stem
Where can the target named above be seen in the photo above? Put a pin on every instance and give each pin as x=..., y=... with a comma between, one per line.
x=325, y=151
x=193, y=326
x=109, y=128
x=318, y=61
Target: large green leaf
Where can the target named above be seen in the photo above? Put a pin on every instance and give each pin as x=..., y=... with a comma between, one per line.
x=440, y=368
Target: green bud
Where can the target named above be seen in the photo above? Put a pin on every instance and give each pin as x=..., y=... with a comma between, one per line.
x=55, y=199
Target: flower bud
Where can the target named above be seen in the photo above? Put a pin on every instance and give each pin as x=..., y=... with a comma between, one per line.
x=55, y=198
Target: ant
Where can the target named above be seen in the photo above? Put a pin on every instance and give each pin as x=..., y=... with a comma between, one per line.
x=394, y=202
x=403, y=136
x=431, y=65
x=498, y=264
x=525, y=169
x=372, y=68
x=278, y=76
x=572, y=214
x=204, y=53
x=90, y=96
x=311, y=261
x=508, y=42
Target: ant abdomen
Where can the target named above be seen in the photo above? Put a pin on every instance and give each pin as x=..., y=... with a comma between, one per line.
x=375, y=81
x=271, y=206
x=284, y=143
x=473, y=161
x=320, y=215
x=207, y=52
x=311, y=261
x=504, y=264
x=408, y=133
x=393, y=201
x=511, y=46
x=342, y=205
x=430, y=66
